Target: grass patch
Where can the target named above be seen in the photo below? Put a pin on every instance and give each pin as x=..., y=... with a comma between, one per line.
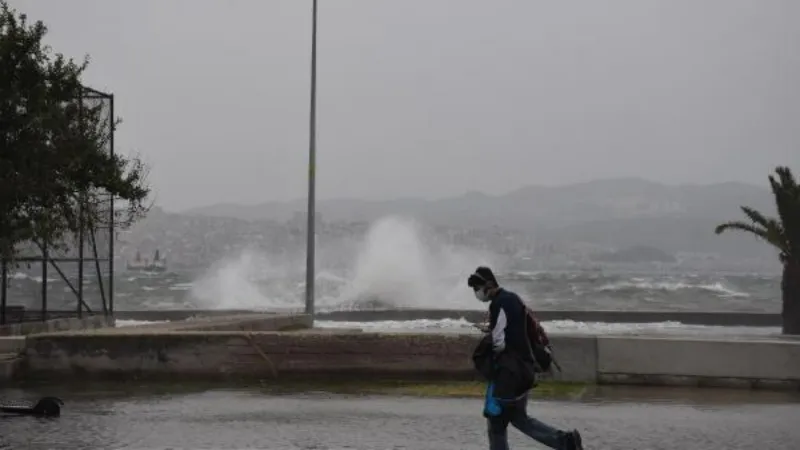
x=397, y=387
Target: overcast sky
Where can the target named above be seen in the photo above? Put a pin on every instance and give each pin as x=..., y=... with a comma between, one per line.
x=434, y=98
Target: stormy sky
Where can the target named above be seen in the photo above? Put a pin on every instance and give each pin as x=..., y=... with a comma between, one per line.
x=433, y=98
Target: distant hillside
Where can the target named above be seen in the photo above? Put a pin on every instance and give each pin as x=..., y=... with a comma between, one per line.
x=614, y=213
x=627, y=198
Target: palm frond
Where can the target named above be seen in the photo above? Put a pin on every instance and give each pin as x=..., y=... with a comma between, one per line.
x=755, y=216
x=771, y=233
x=787, y=179
x=741, y=226
x=772, y=228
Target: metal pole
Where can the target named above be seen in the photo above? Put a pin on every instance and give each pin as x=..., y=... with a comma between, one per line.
x=80, y=222
x=44, y=281
x=80, y=256
x=111, y=236
x=3, y=290
x=96, y=260
x=312, y=150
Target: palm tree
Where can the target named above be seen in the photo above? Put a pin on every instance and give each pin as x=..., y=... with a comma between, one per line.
x=784, y=234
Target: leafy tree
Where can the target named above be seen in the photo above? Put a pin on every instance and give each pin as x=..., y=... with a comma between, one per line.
x=56, y=172
x=783, y=233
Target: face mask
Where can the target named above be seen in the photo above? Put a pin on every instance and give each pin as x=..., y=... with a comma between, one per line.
x=480, y=294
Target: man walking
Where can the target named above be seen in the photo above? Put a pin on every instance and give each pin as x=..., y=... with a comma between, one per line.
x=512, y=368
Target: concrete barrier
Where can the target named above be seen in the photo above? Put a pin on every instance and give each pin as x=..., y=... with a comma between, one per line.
x=12, y=344
x=249, y=355
x=577, y=356
x=761, y=363
x=245, y=322
x=55, y=325
x=10, y=361
x=719, y=318
x=270, y=354
x=250, y=322
x=183, y=314
x=700, y=362
x=9, y=367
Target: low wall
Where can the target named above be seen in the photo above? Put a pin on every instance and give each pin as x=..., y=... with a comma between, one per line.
x=12, y=344
x=249, y=355
x=719, y=318
x=55, y=325
x=245, y=322
x=9, y=367
x=181, y=314
x=684, y=361
x=10, y=348
x=607, y=360
x=256, y=322
x=266, y=355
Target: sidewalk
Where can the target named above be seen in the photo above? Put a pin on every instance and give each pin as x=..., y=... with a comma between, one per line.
x=251, y=420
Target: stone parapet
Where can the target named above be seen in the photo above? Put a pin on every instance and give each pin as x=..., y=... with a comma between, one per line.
x=762, y=363
x=92, y=322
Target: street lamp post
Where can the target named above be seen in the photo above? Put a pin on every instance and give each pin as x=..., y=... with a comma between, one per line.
x=312, y=155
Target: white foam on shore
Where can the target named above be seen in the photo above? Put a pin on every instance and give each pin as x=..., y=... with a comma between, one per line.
x=132, y=323
x=553, y=327
x=557, y=327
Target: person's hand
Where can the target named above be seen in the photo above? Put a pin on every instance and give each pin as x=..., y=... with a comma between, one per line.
x=483, y=326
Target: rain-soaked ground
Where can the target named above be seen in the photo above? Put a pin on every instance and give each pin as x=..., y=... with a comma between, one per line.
x=610, y=419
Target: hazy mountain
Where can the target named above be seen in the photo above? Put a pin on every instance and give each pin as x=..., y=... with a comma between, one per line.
x=613, y=213
x=627, y=198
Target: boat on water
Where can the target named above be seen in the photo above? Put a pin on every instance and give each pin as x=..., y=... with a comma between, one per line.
x=158, y=264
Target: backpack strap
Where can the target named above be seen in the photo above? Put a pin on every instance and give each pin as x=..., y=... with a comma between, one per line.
x=538, y=342
x=540, y=333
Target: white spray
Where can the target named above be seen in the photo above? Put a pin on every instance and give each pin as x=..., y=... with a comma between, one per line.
x=397, y=265
x=233, y=283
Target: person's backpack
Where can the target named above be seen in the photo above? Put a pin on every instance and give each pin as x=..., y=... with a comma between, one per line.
x=539, y=342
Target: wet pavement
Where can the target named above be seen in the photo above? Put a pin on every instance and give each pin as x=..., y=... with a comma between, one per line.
x=610, y=419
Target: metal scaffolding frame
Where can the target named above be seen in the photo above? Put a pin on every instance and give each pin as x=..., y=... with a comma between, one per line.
x=87, y=234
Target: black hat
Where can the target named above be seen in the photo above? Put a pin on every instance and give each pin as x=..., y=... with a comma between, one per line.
x=482, y=276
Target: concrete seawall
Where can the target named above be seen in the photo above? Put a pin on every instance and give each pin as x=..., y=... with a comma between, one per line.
x=311, y=354
x=685, y=361
x=718, y=318
x=243, y=322
x=721, y=318
x=13, y=348
x=12, y=338
x=64, y=324
x=727, y=318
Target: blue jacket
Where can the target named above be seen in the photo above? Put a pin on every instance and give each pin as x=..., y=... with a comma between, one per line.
x=507, y=325
x=504, y=356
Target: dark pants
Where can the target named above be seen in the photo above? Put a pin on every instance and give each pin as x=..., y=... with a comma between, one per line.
x=517, y=415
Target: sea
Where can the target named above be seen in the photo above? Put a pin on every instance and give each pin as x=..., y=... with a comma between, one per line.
x=564, y=290
x=230, y=287
x=394, y=267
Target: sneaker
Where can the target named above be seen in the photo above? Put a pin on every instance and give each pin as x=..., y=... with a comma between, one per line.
x=567, y=441
x=577, y=441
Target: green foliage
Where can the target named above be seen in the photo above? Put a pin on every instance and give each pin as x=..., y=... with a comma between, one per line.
x=56, y=170
x=782, y=232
